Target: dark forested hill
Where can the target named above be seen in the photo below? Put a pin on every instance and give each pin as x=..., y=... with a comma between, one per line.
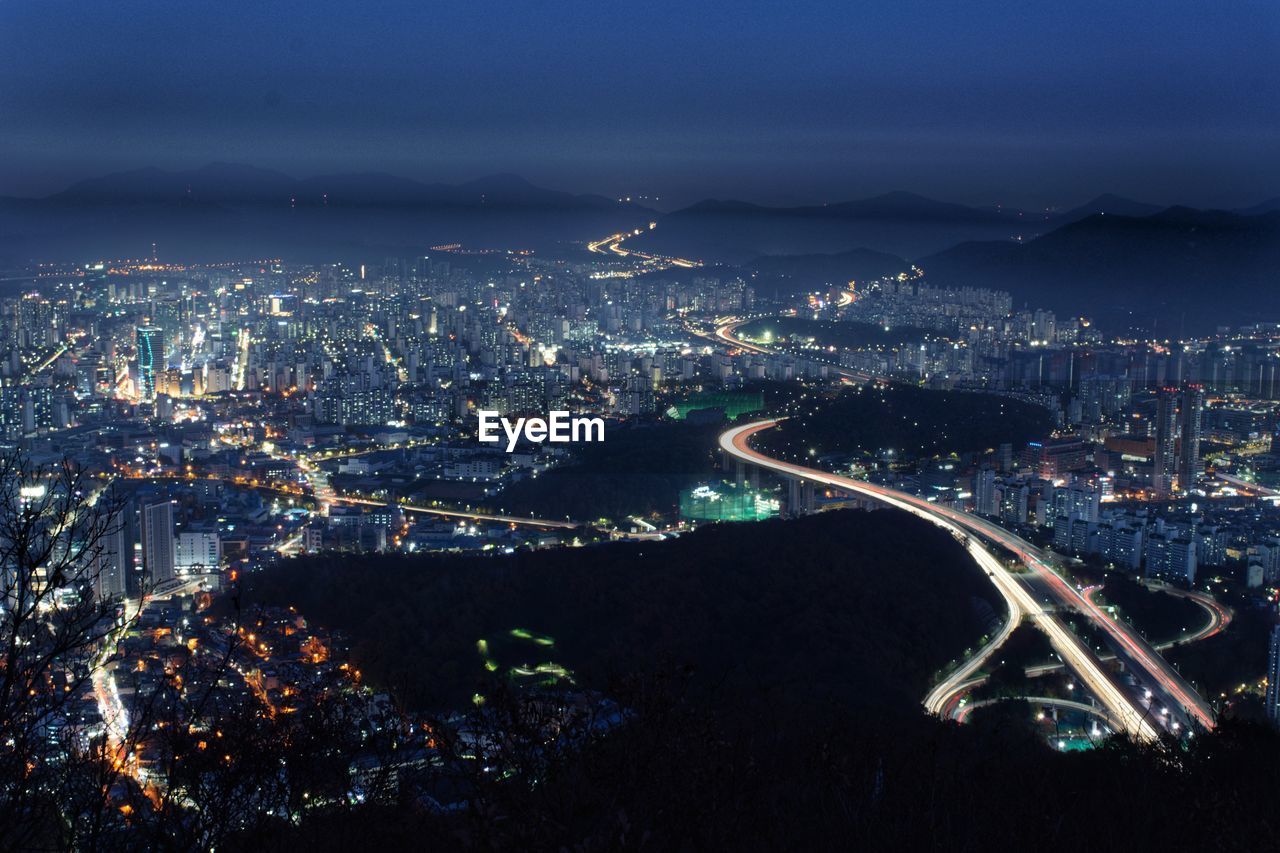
x=785, y=275
x=810, y=642
x=912, y=422
x=862, y=608
x=901, y=223
x=639, y=470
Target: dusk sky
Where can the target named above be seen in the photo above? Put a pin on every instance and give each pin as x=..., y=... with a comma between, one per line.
x=1029, y=103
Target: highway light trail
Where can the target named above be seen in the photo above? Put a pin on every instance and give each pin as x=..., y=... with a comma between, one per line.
x=1247, y=487
x=725, y=333
x=444, y=512
x=1139, y=651
x=472, y=516
x=1219, y=617
x=1048, y=701
x=613, y=244
x=735, y=442
x=956, y=682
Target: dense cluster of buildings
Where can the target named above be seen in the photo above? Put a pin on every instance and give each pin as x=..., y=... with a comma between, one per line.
x=977, y=337
x=255, y=386
x=1131, y=491
x=223, y=380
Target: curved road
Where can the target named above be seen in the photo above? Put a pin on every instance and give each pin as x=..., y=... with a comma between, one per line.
x=725, y=334
x=1219, y=617
x=613, y=243
x=1047, y=701
x=1138, y=653
x=961, y=678
x=735, y=442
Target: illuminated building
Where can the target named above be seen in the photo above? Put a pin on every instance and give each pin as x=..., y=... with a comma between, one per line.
x=1164, y=462
x=1273, y=678
x=1054, y=457
x=111, y=562
x=150, y=357
x=1170, y=556
x=198, y=549
x=158, y=553
x=1190, y=418
x=726, y=503
x=734, y=404
x=986, y=499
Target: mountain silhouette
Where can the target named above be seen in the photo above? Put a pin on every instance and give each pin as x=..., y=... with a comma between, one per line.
x=1178, y=271
x=229, y=210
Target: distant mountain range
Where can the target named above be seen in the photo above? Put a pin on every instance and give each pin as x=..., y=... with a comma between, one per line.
x=231, y=183
x=1113, y=258
x=902, y=223
x=1174, y=271
x=226, y=210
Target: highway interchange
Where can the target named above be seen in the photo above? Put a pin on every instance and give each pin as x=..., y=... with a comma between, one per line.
x=1024, y=596
x=1156, y=698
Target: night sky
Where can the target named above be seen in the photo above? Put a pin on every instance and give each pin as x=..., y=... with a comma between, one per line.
x=1028, y=103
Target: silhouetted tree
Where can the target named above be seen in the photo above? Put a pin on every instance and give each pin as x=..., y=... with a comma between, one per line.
x=54, y=521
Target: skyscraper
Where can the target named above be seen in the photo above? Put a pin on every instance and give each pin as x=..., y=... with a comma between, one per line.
x=158, y=557
x=1189, y=418
x=1164, y=463
x=1273, y=678
x=112, y=561
x=150, y=358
